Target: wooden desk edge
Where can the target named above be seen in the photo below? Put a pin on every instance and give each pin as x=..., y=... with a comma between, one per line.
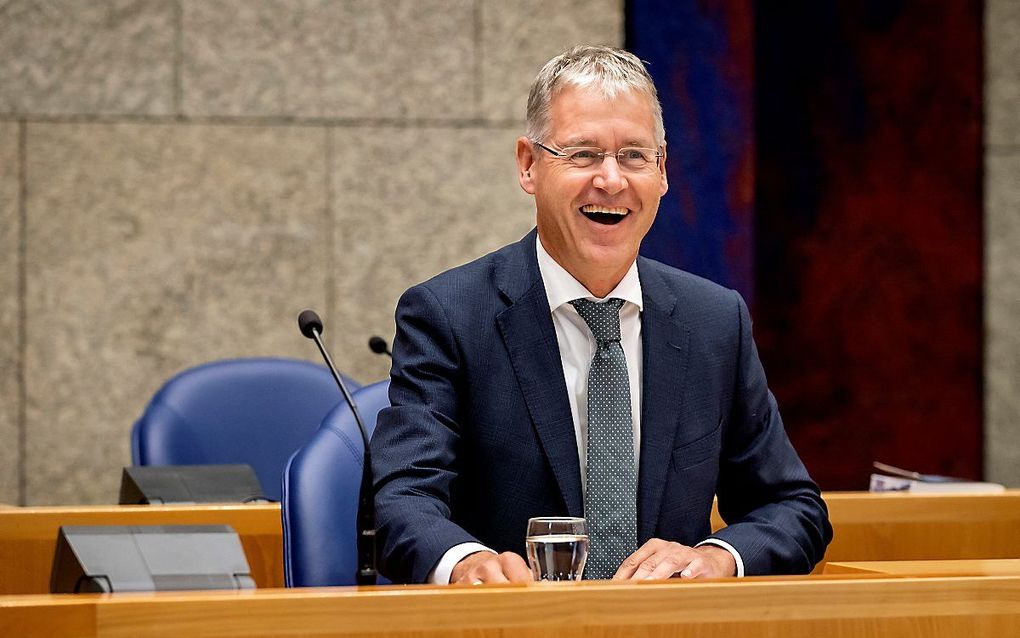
x=737, y=604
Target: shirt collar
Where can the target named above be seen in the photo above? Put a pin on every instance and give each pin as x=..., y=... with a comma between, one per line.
x=562, y=288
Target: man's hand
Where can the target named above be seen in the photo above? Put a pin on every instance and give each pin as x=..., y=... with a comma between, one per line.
x=486, y=567
x=663, y=559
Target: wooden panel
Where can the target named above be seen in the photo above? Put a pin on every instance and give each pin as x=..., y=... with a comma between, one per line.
x=924, y=527
x=977, y=567
x=894, y=526
x=729, y=608
x=58, y=616
x=868, y=527
x=28, y=536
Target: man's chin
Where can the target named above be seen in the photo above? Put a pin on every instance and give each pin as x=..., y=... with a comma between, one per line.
x=608, y=255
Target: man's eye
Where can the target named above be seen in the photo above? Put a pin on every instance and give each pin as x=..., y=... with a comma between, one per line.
x=586, y=154
x=634, y=154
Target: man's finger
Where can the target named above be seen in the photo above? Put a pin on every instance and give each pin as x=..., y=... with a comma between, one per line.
x=633, y=562
x=492, y=571
x=697, y=568
x=497, y=577
x=514, y=568
x=669, y=564
x=480, y=567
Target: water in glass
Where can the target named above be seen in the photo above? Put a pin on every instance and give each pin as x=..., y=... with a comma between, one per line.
x=557, y=547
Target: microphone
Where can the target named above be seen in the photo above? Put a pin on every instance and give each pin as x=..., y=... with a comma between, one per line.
x=311, y=327
x=378, y=345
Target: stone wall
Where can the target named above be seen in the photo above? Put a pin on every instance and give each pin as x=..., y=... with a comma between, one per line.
x=1002, y=241
x=179, y=178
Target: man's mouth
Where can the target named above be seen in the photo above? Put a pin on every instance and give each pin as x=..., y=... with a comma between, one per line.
x=604, y=214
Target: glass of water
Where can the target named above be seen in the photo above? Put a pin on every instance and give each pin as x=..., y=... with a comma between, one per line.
x=557, y=547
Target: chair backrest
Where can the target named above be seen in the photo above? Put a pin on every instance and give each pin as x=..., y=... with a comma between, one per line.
x=255, y=411
x=320, y=496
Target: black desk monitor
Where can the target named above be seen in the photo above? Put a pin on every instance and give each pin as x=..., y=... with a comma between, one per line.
x=158, y=484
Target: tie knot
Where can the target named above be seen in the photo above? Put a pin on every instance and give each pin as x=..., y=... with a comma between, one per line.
x=603, y=319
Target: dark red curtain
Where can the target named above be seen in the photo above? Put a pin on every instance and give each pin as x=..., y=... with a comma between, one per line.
x=863, y=238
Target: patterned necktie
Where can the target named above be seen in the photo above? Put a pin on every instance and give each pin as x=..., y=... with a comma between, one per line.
x=610, y=501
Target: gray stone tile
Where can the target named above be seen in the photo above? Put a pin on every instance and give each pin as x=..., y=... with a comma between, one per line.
x=1002, y=72
x=519, y=37
x=153, y=248
x=10, y=231
x=110, y=57
x=1002, y=307
x=417, y=201
x=316, y=58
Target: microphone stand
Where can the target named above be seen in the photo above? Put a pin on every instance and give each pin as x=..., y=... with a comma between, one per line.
x=311, y=327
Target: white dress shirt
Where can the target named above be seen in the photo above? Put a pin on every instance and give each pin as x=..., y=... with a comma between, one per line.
x=577, y=348
x=578, y=345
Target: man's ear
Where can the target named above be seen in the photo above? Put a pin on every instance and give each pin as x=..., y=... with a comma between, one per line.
x=664, y=185
x=525, y=161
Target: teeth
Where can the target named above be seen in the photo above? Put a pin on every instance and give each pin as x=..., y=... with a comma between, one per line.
x=591, y=208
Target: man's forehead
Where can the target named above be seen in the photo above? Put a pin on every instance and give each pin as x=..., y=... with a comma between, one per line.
x=590, y=139
x=581, y=116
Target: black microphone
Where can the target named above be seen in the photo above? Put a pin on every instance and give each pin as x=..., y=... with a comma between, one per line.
x=378, y=345
x=311, y=327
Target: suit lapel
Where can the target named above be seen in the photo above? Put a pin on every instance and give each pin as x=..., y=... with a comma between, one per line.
x=530, y=339
x=664, y=342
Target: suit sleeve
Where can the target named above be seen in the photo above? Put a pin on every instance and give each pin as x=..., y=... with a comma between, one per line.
x=774, y=512
x=415, y=443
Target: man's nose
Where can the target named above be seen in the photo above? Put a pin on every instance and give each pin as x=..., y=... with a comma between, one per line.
x=609, y=176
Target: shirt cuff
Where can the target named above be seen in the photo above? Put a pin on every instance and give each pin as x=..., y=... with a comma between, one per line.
x=733, y=552
x=440, y=575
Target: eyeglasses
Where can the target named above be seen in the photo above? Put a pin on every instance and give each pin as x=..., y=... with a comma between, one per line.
x=630, y=158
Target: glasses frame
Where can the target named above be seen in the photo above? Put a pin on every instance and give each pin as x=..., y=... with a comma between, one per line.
x=601, y=154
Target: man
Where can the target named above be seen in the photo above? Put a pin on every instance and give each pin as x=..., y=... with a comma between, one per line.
x=565, y=375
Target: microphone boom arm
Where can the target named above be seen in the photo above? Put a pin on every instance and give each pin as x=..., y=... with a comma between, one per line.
x=311, y=327
x=343, y=387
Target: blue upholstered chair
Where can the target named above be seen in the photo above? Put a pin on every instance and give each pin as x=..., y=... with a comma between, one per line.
x=320, y=496
x=254, y=411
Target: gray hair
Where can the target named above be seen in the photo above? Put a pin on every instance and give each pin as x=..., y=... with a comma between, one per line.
x=608, y=70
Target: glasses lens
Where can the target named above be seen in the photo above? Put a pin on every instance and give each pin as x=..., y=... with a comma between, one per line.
x=583, y=157
x=630, y=158
x=636, y=159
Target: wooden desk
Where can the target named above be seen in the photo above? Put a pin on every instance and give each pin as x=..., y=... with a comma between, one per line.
x=974, y=567
x=897, y=526
x=728, y=608
x=868, y=527
x=924, y=527
x=28, y=536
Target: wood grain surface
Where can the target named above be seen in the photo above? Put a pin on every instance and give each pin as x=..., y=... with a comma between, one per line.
x=28, y=536
x=730, y=608
x=900, y=526
x=868, y=527
x=972, y=567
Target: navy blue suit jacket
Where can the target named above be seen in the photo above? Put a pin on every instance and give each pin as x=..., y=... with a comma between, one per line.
x=480, y=437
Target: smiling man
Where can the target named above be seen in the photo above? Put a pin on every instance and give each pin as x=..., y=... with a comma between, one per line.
x=564, y=375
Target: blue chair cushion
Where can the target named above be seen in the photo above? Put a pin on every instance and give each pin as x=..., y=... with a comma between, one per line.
x=320, y=496
x=256, y=411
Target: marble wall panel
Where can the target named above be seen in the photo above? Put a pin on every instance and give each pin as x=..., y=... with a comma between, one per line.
x=153, y=248
x=1002, y=72
x=10, y=233
x=109, y=57
x=415, y=202
x=1002, y=307
x=519, y=37
x=316, y=58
